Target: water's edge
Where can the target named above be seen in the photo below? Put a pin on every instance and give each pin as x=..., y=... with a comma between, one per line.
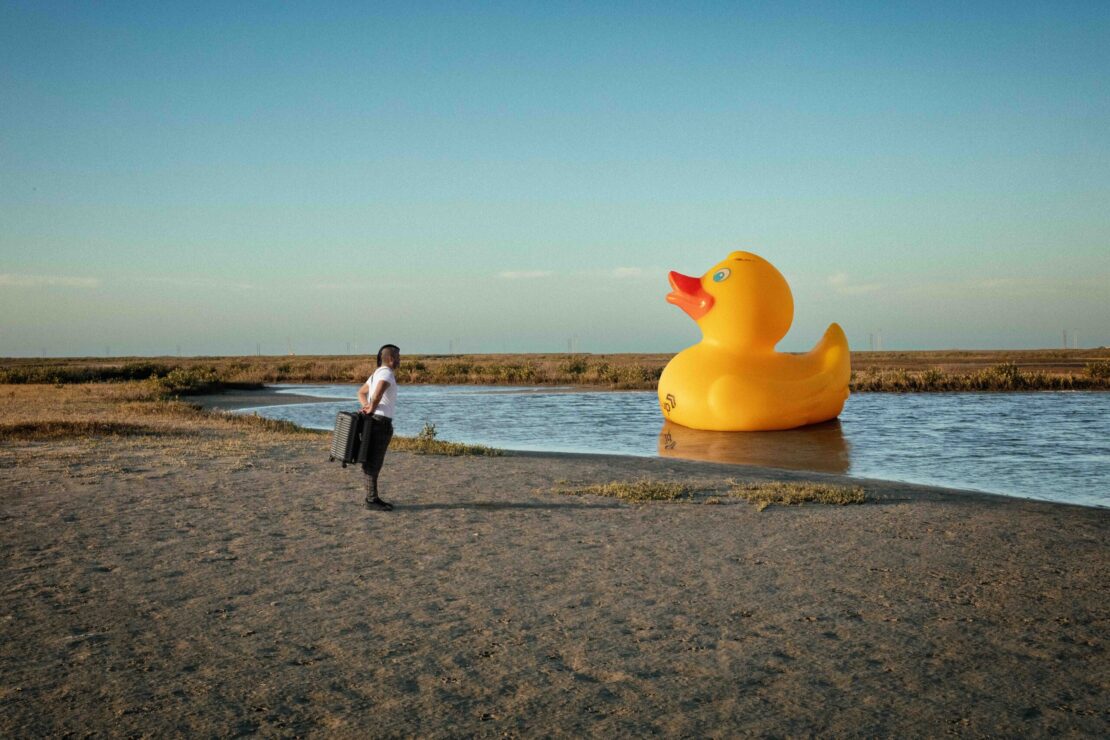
x=296, y=402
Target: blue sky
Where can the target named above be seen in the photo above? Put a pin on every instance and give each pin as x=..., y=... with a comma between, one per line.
x=505, y=177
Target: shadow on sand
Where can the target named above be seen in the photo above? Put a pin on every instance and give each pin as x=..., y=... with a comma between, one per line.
x=503, y=505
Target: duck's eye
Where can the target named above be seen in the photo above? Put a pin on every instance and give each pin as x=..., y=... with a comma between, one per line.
x=721, y=274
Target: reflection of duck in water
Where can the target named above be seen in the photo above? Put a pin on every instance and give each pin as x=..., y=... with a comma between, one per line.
x=733, y=380
x=818, y=447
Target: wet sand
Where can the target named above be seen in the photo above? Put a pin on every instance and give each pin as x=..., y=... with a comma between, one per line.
x=233, y=584
x=235, y=400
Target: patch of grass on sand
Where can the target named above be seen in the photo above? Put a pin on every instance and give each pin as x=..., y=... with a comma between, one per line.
x=793, y=493
x=426, y=443
x=643, y=489
x=761, y=493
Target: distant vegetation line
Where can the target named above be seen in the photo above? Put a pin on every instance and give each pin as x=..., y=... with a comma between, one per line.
x=898, y=372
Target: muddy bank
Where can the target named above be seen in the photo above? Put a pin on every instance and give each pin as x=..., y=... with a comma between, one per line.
x=234, y=400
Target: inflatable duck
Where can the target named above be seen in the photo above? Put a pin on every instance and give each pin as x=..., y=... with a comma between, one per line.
x=733, y=380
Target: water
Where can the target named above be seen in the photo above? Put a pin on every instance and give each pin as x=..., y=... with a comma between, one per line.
x=1053, y=446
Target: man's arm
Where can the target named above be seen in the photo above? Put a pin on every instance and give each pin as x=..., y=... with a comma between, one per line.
x=379, y=391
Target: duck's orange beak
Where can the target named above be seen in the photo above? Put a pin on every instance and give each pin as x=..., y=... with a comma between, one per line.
x=688, y=295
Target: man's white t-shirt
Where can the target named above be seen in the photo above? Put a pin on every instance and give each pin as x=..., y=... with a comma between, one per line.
x=389, y=399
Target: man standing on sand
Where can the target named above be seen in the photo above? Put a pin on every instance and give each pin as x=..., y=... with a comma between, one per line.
x=378, y=401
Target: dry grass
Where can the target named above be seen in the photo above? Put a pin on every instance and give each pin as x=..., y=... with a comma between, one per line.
x=1007, y=376
x=426, y=444
x=760, y=493
x=37, y=412
x=637, y=490
x=131, y=402
x=874, y=371
x=441, y=447
x=784, y=493
x=60, y=429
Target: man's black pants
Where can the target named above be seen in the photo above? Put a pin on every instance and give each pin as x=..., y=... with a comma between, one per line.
x=377, y=431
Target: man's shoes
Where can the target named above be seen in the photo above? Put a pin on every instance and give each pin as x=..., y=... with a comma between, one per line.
x=378, y=504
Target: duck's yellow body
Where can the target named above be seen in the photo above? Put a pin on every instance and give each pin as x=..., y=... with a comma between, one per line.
x=734, y=380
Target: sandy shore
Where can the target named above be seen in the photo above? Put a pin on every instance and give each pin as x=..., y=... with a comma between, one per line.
x=161, y=585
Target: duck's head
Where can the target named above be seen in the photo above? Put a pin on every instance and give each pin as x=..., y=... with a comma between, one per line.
x=743, y=302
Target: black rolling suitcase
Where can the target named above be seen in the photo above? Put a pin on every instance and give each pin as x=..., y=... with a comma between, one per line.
x=346, y=437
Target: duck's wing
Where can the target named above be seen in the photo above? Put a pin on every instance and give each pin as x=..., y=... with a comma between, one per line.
x=815, y=392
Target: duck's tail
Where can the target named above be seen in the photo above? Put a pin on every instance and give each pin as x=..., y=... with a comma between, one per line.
x=832, y=352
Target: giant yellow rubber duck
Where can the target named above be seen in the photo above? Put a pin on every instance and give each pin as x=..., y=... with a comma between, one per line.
x=733, y=380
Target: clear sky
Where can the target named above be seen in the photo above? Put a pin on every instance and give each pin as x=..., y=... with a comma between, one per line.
x=215, y=178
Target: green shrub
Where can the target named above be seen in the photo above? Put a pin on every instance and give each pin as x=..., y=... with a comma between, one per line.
x=576, y=366
x=933, y=379
x=455, y=370
x=515, y=373
x=188, y=380
x=1099, y=369
x=1009, y=375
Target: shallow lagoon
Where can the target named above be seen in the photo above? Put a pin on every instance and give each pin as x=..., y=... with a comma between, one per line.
x=1053, y=446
